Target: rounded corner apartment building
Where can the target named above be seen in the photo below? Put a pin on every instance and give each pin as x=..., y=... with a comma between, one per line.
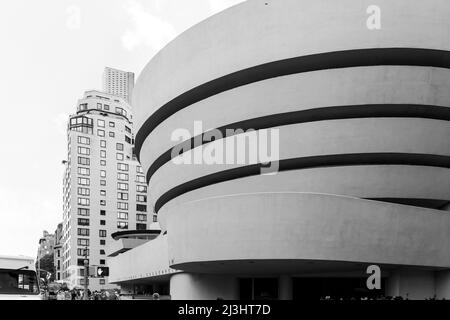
x=364, y=151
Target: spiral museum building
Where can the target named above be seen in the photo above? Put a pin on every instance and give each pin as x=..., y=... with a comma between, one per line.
x=364, y=153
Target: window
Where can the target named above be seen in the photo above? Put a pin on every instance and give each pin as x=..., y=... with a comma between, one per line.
x=102, y=174
x=103, y=143
x=103, y=193
x=119, y=146
x=141, y=217
x=84, y=161
x=103, y=163
x=81, y=124
x=122, y=205
x=119, y=156
x=103, y=202
x=140, y=179
x=99, y=106
x=103, y=212
x=101, y=123
x=102, y=242
x=106, y=107
x=84, y=140
x=83, y=181
x=102, y=261
x=122, y=186
x=84, y=151
x=103, y=183
x=101, y=133
x=139, y=169
x=83, y=171
x=122, y=216
x=141, y=226
x=122, y=176
x=102, y=233
x=141, y=198
x=122, y=196
x=122, y=167
x=83, y=222
x=122, y=225
x=83, y=202
x=83, y=232
x=83, y=212
x=83, y=242
x=112, y=124
x=127, y=139
x=102, y=222
x=127, y=129
x=102, y=154
x=102, y=281
x=155, y=218
x=102, y=252
x=82, y=252
x=84, y=192
x=141, y=208
x=141, y=189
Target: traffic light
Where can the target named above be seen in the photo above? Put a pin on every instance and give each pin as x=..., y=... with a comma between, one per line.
x=102, y=272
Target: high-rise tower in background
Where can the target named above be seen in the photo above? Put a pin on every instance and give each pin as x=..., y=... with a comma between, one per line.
x=119, y=83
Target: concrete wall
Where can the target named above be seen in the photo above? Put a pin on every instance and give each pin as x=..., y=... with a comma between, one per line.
x=146, y=261
x=254, y=33
x=299, y=226
x=339, y=87
x=185, y=286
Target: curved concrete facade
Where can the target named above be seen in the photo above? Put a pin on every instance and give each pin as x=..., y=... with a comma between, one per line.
x=362, y=118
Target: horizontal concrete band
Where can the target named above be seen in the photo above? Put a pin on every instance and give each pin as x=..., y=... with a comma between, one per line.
x=355, y=159
x=307, y=226
x=310, y=115
x=315, y=62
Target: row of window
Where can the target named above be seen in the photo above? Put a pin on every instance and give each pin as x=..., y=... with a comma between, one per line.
x=120, y=166
x=120, y=195
x=104, y=107
x=120, y=185
x=87, y=151
x=83, y=251
x=120, y=215
x=85, y=232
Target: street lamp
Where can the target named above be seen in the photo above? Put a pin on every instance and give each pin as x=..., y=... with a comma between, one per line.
x=86, y=271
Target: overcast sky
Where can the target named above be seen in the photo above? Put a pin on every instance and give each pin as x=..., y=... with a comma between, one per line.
x=51, y=52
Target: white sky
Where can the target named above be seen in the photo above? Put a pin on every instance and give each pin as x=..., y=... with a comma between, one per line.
x=50, y=55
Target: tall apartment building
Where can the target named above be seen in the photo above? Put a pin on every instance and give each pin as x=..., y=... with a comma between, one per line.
x=105, y=188
x=119, y=83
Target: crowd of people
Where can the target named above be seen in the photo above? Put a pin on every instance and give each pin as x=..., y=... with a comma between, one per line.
x=78, y=294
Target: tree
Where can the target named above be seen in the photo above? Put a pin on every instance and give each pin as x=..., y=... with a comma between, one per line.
x=47, y=264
